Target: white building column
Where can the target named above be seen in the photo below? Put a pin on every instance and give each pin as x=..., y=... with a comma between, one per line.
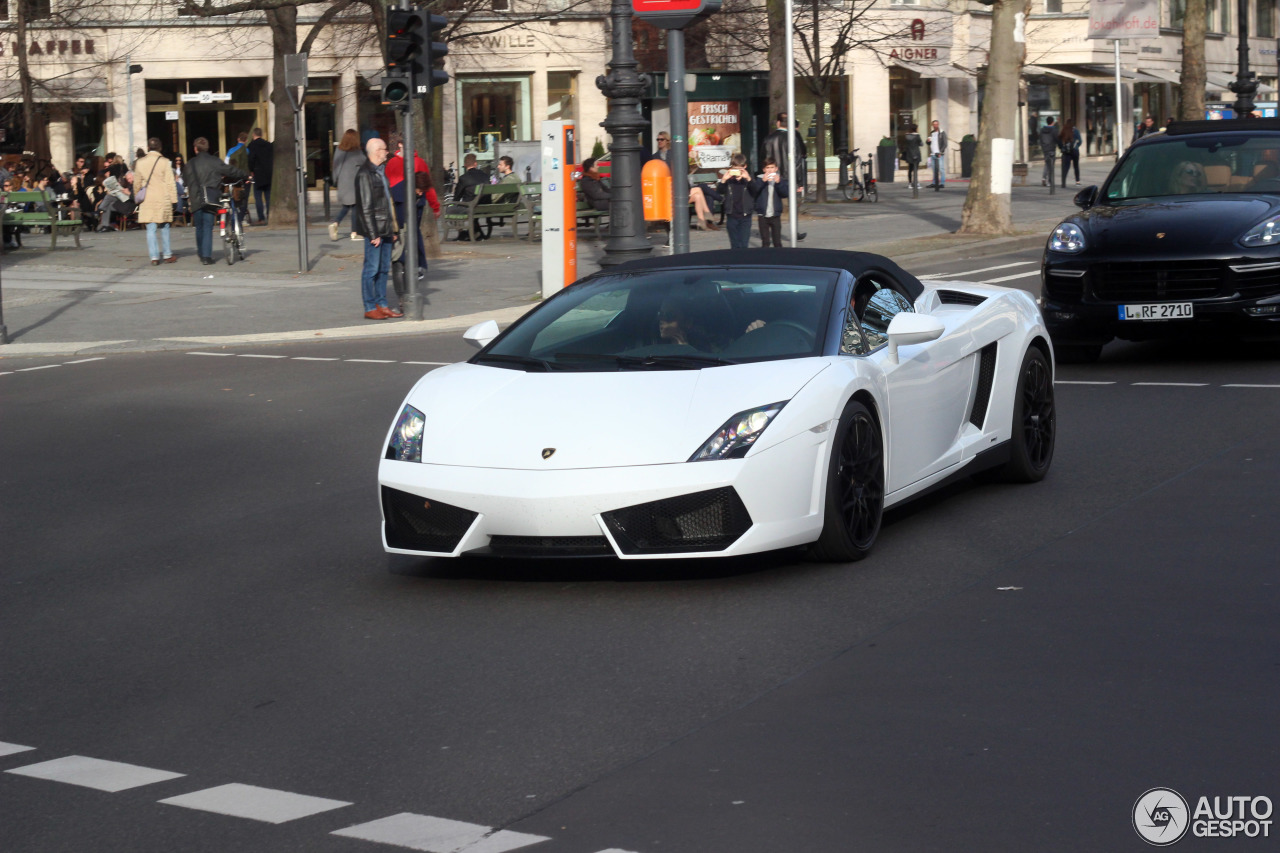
x=61, y=145
x=868, y=105
x=348, y=101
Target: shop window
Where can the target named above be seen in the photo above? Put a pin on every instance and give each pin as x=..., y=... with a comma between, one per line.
x=164, y=91
x=1053, y=7
x=492, y=110
x=501, y=5
x=562, y=95
x=1177, y=12
x=1265, y=26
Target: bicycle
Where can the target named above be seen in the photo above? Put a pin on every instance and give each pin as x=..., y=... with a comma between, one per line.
x=229, y=224
x=860, y=188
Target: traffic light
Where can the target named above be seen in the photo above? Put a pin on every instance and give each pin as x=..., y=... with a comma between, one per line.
x=436, y=52
x=397, y=88
x=407, y=40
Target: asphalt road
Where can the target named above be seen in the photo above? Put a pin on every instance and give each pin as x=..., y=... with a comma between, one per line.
x=192, y=582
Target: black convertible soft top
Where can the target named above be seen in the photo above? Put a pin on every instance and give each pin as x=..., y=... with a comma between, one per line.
x=856, y=263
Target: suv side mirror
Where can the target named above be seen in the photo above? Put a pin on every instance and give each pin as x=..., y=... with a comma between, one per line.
x=1086, y=198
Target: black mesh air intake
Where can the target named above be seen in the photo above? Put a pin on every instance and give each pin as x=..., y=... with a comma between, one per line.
x=550, y=546
x=420, y=524
x=702, y=521
x=986, y=375
x=958, y=297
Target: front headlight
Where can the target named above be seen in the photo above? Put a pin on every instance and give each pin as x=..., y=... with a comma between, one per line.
x=406, y=438
x=1263, y=234
x=1067, y=238
x=734, y=439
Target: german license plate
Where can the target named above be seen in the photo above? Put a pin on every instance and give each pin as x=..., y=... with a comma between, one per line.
x=1157, y=311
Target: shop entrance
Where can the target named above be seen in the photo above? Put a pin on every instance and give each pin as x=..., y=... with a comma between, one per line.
x=238, y=108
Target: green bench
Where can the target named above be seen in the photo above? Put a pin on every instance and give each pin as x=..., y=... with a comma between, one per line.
x=44, y=216
x=587, y=215
x=472, y=219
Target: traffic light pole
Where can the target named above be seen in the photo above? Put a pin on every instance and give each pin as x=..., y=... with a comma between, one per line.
x=410, y=233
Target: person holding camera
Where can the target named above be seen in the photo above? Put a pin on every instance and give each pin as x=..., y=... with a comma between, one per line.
x=770, y=189
x=739, y=201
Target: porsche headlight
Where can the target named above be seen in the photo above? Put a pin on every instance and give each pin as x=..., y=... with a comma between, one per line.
x=1263, y=234
x=734, y=439
x=1067, y=238
x=406, y=438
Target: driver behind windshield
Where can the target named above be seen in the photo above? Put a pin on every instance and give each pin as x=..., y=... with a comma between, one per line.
x=1188, y=177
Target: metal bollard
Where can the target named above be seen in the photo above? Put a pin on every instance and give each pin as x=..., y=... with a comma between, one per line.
x=328, y=182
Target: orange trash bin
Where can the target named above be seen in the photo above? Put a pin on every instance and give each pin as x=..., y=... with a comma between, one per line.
x=655, y=186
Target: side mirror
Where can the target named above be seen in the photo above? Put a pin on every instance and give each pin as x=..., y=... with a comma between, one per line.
x=481, y=334
x=910, y=328
x=1086, y=197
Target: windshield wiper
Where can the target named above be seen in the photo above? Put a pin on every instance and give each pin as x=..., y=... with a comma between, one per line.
x=527, y=362
x=643, y=362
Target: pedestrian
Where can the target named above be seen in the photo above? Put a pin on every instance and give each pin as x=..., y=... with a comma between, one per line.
x=262, y=161
x=347, y=160
x=664, y=148
x=739, y=204
x=1049, y=148
x=775, y=148
x=238, y=156
x=770, y=189
x=204, y=175
x=911, y=145
x=159, y=192
x=375, y=221
x=395, y=172
x=464, y=192
x=1069, y=143
x=938, y=155
x=1148, y=125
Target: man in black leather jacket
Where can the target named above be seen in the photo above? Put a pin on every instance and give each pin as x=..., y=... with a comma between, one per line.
x=205, y=170
x=374, y=219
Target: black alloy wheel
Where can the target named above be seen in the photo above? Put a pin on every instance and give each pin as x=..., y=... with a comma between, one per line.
x=855, y=489
x=1034, y=421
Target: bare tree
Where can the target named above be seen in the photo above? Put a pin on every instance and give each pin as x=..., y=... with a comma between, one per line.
x=985, y=210
x=1193, y=82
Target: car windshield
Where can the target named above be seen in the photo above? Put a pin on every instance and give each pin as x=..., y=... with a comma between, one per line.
x=672, y=319
x=1197, y=165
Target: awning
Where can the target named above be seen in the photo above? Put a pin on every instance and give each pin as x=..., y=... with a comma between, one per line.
x=59, y=90
x=933, y=71
x=1167, y=76
x=1070, y=74
x=1221, y=80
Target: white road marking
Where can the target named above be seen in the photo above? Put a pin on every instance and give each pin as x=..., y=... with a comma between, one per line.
x=13, y=748
x=436, y=363
x=1012, y=277
x=251, y=355
x=254, y=803
x=41, y=367
x=86, y=360
x=371, y=360
x=94, y=773
x=1246, y=385
x=1173, y=384
x=313, y=358
x=215, y=354
x=1081, y=382
x=438, y=835
x=958, y=275
x=5, y=372
x=617, y=850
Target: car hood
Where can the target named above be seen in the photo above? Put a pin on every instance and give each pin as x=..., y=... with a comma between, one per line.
x=1171, y=226
x=491, y=417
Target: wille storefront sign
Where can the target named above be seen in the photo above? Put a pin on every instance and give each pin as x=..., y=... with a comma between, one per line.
x=503, y=41
x=50, y=47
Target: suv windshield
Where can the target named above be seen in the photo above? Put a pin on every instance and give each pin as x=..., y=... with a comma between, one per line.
x=672, y=319
x=1236, y=162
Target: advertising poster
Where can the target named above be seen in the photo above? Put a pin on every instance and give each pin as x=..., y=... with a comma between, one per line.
x=715, y=133
x=1124, y=19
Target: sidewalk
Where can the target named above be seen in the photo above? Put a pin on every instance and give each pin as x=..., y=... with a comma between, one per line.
x=107, y=297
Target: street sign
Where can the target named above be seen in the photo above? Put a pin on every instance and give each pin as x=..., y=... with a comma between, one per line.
x=673, y=14
x=295, y=70
x=205, y=97
x=170, y=115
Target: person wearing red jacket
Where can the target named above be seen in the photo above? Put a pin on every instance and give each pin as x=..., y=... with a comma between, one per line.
x=424, y=193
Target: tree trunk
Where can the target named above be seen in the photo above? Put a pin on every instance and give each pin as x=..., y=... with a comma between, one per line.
x=425, y=143
x=1193, y=70
x=776, y=10
x=283, y=22
x=819, y=86
x=985, y=211
x=36, y=138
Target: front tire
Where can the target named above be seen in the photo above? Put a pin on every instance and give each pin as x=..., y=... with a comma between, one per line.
x=855, y=489
x=1035, y=421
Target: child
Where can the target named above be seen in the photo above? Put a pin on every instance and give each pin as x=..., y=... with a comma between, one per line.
x=770, y=189
x=735, y=185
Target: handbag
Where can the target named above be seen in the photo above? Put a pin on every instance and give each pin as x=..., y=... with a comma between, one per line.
x=211, y=198
x=141, y=194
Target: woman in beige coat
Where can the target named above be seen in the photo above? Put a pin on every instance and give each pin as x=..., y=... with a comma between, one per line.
x=155, y=174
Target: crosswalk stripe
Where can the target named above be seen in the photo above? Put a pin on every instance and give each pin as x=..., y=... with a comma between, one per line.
x=13, y=748
x=1080, y=382
x=957, y=275
x=251, y=355
x=94, y=773
x=1247, y=385
x=1027, y=274
x=313, y=358
x=1173, y=384
x=435, y=363
x=438, y=835
x=214, y=354
x=87, y=360
x=372, y=360
x=40, y=367
x=254, y=803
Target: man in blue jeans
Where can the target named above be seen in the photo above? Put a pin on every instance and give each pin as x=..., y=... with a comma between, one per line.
x=938, y=156
x=203, y=176
x=374, y=219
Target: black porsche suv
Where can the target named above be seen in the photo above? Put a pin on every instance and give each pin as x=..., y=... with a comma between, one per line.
x=1183, y=236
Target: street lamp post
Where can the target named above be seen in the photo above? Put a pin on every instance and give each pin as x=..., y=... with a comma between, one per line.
x=1246, y=82
x=624, y=86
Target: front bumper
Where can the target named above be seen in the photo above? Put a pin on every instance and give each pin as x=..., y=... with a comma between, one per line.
x=1082, y=298
x=694, y=509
